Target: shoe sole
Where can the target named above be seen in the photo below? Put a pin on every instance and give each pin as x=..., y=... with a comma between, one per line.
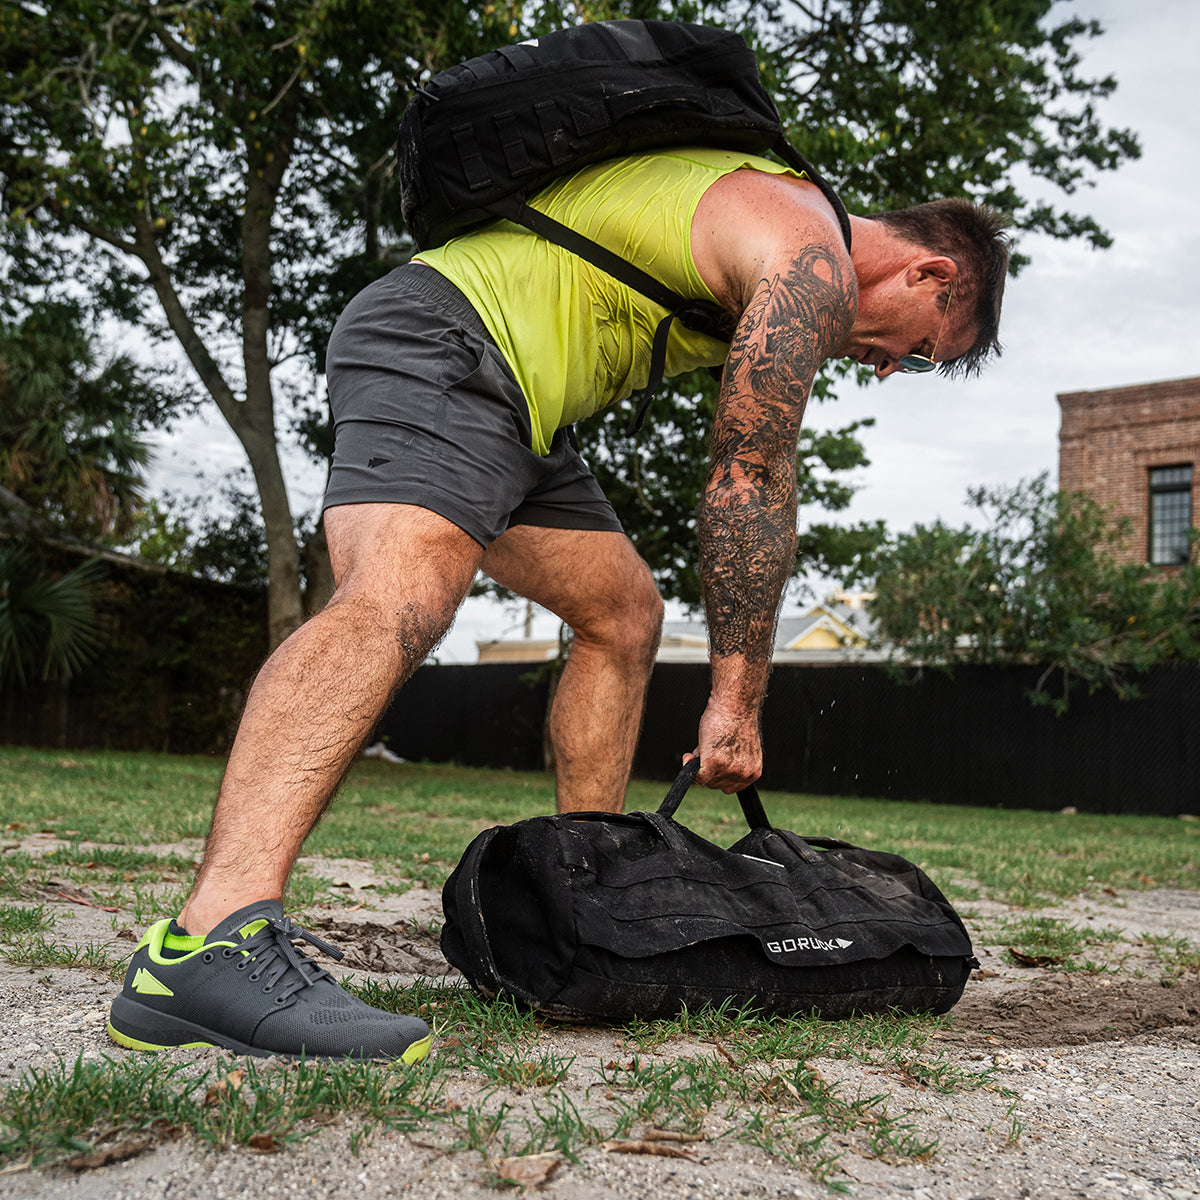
x=136, y=1027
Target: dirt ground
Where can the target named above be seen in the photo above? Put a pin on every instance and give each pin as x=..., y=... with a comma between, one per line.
x=1097, y=1074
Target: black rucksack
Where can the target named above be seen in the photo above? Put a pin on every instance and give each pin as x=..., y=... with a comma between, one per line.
x=609, y=916
x=479, y=138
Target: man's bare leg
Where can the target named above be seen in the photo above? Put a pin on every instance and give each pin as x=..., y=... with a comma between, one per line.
x=599, y=585
x=401, y=573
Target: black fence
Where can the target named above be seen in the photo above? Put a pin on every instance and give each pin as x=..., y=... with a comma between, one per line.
x=971, y=738
x=178, y=657
x=480, y=716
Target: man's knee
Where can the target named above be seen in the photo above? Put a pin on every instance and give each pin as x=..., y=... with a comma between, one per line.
x=410, y=627
x=401, y=574
x=651, y=616
x=630, y=620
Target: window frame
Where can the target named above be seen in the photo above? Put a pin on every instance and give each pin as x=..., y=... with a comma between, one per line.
x=1154, y=490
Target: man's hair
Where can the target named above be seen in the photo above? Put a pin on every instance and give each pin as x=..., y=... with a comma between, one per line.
x=974, y=236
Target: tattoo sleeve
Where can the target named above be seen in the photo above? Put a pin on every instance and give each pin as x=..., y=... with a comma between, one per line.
x=747, y=517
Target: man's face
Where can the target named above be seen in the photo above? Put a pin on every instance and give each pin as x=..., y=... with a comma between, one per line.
x=906, y=315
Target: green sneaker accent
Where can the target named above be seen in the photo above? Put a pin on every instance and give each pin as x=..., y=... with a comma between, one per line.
x=178, y=944
x=147, y=985
x=131, y=1043
x=246, y=988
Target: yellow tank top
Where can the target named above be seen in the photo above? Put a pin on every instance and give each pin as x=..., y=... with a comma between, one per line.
x=576, y=338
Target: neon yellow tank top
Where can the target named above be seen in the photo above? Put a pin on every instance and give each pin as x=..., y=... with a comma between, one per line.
x=576, y=338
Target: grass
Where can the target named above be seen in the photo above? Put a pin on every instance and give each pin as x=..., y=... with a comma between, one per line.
x=65, y=1110
x=419, y=817
x=40, y=951
x=1049, y=942
x=20, y=921
x=1177, y=956
x=502, y=1085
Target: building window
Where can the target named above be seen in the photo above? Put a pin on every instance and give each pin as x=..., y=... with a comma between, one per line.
x=1170, y=514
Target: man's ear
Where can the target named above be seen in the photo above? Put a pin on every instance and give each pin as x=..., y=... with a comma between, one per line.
x=938, y=268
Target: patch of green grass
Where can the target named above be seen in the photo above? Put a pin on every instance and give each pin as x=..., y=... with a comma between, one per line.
x=1049, y=942
x=451, y=1009
x=1177, y=955
x=107, y=796
x=524, y=1094
x=63, y=1110
x=131, y=879
x=18, y=921
x=419, y=817
x=39, y=951
x=753, y=1073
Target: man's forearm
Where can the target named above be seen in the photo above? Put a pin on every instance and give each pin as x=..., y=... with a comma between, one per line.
x=747, y=546
x=747, y=519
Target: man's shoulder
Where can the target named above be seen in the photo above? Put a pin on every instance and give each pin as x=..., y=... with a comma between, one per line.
x=754, y=223
x=783, y=197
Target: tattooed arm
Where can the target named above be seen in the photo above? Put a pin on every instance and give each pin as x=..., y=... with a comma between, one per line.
x=797, y=313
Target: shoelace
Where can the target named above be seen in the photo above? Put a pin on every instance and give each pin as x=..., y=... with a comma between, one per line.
x=274, y=956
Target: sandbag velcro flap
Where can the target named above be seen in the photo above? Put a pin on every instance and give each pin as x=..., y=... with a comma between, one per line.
x=589, y=119
x=554, y=137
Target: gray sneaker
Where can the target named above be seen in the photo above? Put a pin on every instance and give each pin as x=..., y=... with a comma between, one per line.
x=245, y=987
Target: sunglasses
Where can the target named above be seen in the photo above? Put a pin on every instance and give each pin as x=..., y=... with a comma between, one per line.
x=918, y=364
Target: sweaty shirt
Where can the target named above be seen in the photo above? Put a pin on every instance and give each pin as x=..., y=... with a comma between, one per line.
x=577, y=339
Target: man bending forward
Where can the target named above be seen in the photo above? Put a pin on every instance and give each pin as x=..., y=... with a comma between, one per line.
x=454, y=383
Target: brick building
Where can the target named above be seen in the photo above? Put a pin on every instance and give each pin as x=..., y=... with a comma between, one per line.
x=1137, y=449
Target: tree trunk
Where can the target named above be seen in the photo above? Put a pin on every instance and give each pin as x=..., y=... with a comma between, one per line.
x=285, y=609
x=266, y=168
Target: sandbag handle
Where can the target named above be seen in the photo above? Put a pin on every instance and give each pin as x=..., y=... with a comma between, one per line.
x=748, y=798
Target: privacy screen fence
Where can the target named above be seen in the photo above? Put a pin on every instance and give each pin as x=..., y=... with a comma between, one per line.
x=970, y=738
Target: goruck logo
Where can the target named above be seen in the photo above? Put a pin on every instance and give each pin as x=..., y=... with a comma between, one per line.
x=788, y=945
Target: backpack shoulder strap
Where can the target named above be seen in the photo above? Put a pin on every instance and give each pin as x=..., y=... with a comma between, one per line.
x=702, y=316
x=798, y=162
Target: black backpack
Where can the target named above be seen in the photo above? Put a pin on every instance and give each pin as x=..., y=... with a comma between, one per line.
x=479, y=138
x=608, y=917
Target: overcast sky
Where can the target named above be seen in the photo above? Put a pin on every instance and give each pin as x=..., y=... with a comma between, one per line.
x=1075, y=319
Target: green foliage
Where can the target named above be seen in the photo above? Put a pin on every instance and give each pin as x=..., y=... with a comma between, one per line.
x=220, y=174
x=224, y=544
x=49, y=627
x=655, y=480
x=1045, y=580
x=70, y=446
x=171, y=672
x=902, y=101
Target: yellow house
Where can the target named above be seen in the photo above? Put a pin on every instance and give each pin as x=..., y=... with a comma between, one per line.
x=833, y=632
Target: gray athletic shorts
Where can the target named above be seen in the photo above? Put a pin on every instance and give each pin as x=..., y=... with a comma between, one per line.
x=426, y=411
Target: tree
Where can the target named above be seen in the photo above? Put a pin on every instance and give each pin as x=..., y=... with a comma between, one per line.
x=228, y=158
x=71, y=444
x=897, y=102
x=1040, y=582
x=48, y=623
x=902, y=101
x=217, y=172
